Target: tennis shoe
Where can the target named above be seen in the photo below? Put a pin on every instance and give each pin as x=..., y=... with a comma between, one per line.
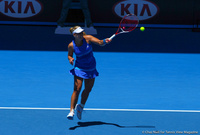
x=70, y=116
x=79, y=110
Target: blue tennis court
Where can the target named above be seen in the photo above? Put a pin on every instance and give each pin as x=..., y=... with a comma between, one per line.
x=136, y=93
x=148, y=83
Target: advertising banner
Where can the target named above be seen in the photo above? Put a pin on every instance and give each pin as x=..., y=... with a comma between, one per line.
x=30, y=10
x=105, y=12
x=148, y=11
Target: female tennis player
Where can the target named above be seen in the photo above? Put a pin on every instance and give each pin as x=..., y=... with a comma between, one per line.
x=84, y=68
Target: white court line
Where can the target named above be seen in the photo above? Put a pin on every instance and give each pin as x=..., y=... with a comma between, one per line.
x=97, y=109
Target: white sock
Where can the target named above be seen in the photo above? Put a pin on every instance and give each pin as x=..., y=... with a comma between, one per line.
x=72, y=110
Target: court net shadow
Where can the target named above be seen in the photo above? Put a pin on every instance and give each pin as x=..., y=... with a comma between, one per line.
x=97, y=123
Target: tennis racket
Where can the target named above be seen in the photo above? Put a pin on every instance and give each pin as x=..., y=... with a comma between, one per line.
x=127, y=24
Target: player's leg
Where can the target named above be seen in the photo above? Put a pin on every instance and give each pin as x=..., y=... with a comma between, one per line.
x=77, y=88
x=74, y=98
x=89, y=83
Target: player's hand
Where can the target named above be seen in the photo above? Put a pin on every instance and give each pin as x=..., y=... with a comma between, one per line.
x=108, y=40
x=71, y=61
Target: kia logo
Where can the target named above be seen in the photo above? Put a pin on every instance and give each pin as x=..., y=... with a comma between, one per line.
x=143, y=9
x=20, y=8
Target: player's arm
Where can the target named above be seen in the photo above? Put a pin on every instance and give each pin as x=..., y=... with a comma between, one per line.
x=97, y=41
x=70, y=53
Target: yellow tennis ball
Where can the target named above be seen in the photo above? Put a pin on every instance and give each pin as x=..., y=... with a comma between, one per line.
x=142, y=28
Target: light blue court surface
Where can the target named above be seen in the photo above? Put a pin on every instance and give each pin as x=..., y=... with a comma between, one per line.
x=54, y=122
x=164, y=88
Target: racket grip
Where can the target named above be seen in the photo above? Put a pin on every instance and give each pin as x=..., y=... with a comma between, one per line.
x=112, y=36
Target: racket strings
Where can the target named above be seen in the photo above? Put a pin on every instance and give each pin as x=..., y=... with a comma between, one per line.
x=129, y=23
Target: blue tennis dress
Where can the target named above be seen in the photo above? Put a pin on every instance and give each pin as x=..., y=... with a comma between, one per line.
x=85, y=63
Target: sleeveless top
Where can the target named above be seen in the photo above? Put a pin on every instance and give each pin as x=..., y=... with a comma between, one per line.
x=85, y=63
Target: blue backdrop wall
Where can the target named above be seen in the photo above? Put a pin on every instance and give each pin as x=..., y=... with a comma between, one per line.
x=151, y=40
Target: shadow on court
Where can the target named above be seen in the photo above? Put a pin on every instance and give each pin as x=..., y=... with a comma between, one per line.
x=97, y=123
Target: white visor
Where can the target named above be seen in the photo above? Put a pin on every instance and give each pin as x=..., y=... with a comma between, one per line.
x=78, y=30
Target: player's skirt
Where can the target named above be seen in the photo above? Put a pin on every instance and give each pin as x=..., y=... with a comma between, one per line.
x=83, y=73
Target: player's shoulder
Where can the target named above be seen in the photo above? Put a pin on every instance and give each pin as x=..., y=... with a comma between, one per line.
x=70, y=44
x=87, y=36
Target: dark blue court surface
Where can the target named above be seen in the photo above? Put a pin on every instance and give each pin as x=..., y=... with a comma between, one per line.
x=164, y=87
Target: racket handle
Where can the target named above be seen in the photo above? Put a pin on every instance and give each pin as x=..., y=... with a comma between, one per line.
x=112, y=36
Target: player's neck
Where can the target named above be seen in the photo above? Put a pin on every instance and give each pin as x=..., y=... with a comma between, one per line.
x=79, y=42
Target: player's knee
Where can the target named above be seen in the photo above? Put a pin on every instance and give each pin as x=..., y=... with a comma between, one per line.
x=77, y=89
x=76, y=92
